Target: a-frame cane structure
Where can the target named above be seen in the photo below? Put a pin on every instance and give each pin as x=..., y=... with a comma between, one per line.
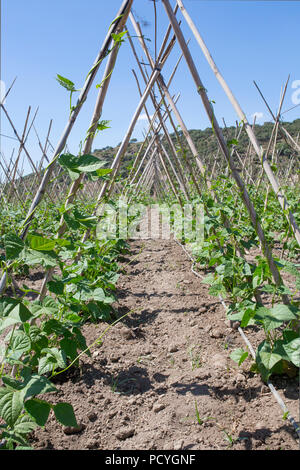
x=162, y=163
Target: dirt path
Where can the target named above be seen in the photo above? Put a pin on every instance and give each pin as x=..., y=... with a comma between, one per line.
x=169, y=358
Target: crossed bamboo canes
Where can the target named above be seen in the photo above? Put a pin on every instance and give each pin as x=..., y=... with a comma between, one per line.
x=160, y=167
x=124, y=10
x=265, y=163
x=107, y=187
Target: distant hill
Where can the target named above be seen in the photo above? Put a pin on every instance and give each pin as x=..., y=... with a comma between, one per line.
x=206, y=143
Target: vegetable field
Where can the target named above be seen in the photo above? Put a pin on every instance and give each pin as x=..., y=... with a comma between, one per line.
x=150, y=299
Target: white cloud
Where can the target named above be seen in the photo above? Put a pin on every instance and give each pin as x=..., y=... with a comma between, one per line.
x=257, y=115
x=143, y=117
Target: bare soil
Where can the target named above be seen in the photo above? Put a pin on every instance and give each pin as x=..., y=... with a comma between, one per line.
x=162, y=378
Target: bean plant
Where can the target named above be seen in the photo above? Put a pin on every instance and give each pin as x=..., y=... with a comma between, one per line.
x=244, y=280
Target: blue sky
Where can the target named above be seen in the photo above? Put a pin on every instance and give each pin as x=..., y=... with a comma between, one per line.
x=249, y=40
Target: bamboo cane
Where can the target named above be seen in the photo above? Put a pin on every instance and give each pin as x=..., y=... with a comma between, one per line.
x=82, y=98
x=20, y=148
x=88, y=144
x=179, y=179
x=108, y=186
x=209, y=110
x=126, y=5
x=278, y=191
x=169, y=98
x=145, y=80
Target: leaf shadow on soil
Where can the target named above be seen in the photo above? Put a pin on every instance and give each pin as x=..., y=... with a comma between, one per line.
x=128, y=262
x=146, y=317
x=137, y=319
x=248, y=438
x=123, y=293
x=288, y=386
x=291, y=394
x=197, y=389
x=131, y=381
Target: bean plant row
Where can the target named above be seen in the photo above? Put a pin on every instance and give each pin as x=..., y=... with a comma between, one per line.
x=42, y=333
x=236, y=269
x=43, y=336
